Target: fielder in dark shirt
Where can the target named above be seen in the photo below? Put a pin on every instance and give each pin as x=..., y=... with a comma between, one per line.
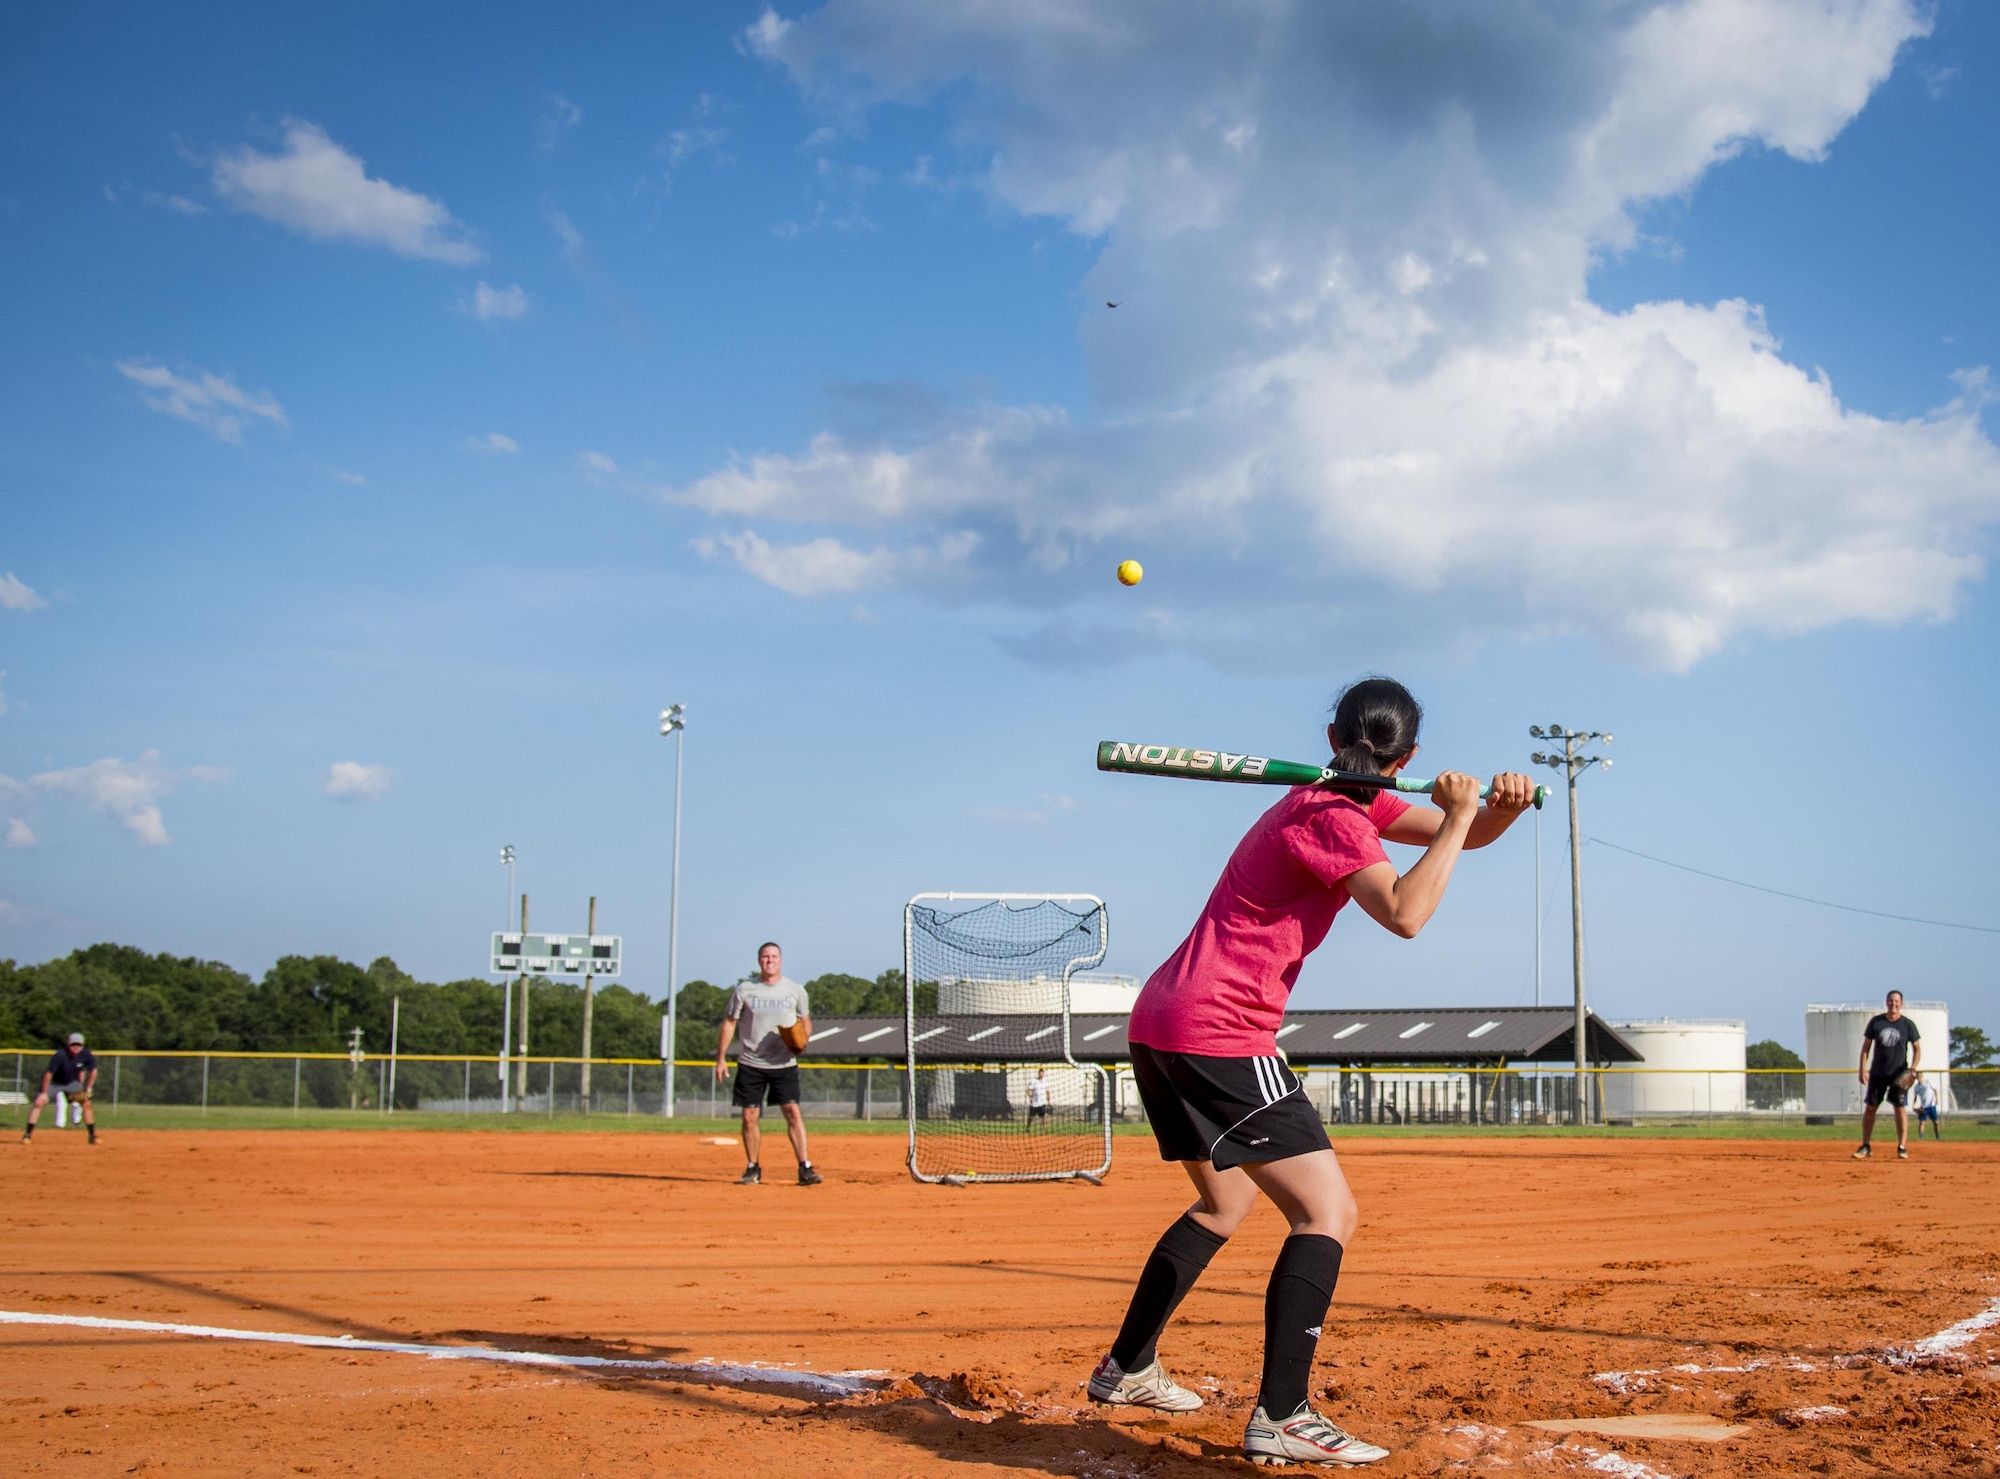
x=1890, y=1045
x=72, y=1072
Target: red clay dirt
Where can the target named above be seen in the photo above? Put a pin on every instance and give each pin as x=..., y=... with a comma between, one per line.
x=1494, y=1282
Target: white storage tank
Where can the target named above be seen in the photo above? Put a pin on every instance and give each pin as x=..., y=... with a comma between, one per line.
x=1692, y=1065
x=1037, y=996
x=1833, y=1052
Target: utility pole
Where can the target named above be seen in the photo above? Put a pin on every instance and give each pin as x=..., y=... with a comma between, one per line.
x=589, y=1002
x=395, y=1031
x=1572, y=762
x=521, y=1065
x=1538, y=906
x=673, y=721
x=506, y=988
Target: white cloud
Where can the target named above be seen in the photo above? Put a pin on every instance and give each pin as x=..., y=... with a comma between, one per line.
x=15, y=595
x=20, y=834
x=350, y=780
x=575, y=252
x=485, y=302
x=213, y=402
x=178, y=204
x=1356, y=370
x=494, y=441
x=825, y=567
x=1051, y=807
x=127, y=790
x=596, y=462
x=342, y=475
x=559, y=116
x=318, y=189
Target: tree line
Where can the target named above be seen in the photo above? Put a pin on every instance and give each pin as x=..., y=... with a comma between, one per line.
x=121, y=997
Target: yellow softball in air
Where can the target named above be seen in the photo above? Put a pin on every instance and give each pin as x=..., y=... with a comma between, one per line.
x=1130, y=572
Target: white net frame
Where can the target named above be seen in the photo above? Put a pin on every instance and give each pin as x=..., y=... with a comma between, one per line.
x=992, y=1145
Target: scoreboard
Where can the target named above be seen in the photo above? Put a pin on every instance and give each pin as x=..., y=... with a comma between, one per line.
x=557, y=955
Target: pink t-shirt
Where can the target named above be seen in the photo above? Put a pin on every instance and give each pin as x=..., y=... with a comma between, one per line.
x=1223, y=992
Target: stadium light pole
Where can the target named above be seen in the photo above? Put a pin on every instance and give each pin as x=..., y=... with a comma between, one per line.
x=1573, y=762
x=1538, y=906
x=506, y=987
x=673, y=721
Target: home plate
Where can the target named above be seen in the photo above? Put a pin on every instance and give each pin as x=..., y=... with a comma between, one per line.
x=1692, y=1426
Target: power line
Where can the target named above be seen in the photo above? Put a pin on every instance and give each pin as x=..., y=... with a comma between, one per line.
x=1945, y=924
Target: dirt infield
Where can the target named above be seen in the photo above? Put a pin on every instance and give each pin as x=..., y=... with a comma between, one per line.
x=1780, y=1288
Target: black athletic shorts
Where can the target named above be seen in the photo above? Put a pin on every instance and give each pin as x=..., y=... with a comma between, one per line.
x=756, y=1087
x=1227, y=1111
x=1885, y=1088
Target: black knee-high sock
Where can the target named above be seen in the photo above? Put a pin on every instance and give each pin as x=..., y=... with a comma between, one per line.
x=1178, y=1259
x=1295, y=1305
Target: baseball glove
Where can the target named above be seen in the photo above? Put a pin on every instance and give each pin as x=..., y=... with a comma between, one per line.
x=795, y=1035
x=1907, y=1077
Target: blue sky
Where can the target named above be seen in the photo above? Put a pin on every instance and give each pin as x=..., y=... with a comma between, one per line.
x=396, y=411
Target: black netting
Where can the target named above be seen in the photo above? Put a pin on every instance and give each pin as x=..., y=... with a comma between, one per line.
x=994, y=1091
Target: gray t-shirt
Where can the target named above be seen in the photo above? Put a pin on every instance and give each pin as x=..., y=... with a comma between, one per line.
x=759, y=1009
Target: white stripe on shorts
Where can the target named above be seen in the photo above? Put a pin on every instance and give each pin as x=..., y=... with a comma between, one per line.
x=1271, y=1085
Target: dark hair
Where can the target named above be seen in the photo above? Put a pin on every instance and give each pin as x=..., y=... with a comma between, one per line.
x=1375, y=723
x=770, y=945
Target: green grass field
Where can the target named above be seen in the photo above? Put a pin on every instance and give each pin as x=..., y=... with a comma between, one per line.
x=180, y=1117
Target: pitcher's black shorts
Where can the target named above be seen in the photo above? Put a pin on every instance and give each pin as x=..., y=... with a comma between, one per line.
x=753, y=1084
x=1885, y=1088
x=1227, y=1111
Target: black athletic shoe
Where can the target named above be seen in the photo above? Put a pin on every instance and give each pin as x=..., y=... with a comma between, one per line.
x=1902, y=1152
x=1864, y=1152
x=752, y=1176
x=808, y=1176
x=93, y=1134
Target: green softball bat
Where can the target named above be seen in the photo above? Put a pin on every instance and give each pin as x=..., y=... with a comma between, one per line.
x=1252, y=770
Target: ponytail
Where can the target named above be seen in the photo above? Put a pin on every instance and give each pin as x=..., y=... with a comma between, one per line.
x=1375, y=723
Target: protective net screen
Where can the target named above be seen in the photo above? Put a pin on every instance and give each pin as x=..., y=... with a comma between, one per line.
x=994, y=1091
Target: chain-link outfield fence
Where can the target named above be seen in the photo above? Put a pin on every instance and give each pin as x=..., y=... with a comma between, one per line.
x=1417, y=1095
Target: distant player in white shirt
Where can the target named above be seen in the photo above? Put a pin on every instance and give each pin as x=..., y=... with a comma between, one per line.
x=1038, y=1097
x=1924, y=1107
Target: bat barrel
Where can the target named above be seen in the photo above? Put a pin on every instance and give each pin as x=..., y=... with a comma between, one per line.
x=1252, y=770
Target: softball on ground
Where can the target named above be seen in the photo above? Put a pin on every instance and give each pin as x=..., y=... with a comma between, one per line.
x=1130, y=572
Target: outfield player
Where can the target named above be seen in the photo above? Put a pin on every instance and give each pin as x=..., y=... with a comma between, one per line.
x=766, y=1070
x=72, y=1072
x=1221, y=1098
x=1889, y=1044
x=1924, y=1105
x=1038, y=1097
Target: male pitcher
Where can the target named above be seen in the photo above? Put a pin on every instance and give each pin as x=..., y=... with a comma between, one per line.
x=766, y=1070
x=1889, y=1045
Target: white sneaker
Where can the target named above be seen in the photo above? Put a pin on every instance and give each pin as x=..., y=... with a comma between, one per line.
x=1304, y=1438
x=1149, y=1386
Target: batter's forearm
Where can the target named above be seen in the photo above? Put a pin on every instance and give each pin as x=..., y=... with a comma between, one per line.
x=1488, y=825
x=1419, y=891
